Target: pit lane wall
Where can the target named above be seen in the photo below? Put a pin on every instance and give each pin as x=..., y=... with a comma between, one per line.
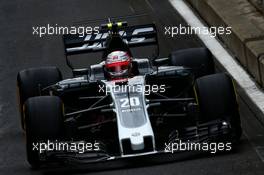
x=247, y=21
x=259, y=4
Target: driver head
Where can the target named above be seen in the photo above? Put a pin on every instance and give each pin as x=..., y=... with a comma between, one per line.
x=118, y=65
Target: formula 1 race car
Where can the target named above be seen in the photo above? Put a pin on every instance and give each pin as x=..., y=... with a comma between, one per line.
x=124, y=107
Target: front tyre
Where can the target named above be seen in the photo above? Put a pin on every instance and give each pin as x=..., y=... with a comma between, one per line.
x=43, y=122
x=217, y=100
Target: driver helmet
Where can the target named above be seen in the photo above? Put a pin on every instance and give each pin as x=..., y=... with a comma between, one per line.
x=118, y=65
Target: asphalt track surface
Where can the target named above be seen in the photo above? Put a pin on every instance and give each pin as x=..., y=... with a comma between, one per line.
x=20, y=49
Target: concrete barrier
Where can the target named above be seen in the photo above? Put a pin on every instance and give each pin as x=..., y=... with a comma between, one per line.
x=247, y=38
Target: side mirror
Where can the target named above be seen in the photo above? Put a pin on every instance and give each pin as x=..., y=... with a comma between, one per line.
x=161, y=61
x=80, y=72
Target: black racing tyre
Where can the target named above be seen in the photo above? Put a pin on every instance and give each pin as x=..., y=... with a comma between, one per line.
x=43, y=122
x=200, y=60
x=30, y=81
x=216, y=98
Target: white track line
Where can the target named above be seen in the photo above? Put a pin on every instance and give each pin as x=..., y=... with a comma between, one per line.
x=222, y=56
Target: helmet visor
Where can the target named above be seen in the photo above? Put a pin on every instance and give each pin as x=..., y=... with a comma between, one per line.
x=118, y=67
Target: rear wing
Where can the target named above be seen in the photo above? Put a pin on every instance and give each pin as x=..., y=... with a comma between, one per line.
x=134, y=36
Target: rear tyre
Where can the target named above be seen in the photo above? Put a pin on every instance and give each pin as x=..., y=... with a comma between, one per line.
x=30, y=81
x=43, y=122
x=217, y=100
x=200, y=60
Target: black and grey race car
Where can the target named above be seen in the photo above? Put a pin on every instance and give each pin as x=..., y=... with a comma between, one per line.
x=162, y=101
